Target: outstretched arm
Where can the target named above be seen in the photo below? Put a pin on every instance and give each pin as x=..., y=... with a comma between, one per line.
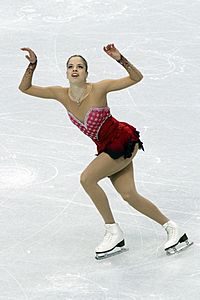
x=50, y=92
x=115, y=54
x=27, y=78
x=117, y=84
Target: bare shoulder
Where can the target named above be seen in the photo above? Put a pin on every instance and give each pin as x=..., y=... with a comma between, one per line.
x=98, y=94
x=61, y=91
x=99, y=87
x=61, y=94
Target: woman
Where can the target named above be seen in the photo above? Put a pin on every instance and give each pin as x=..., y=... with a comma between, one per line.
x=117, y=142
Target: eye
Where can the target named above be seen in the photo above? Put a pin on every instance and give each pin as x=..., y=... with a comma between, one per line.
x=81, y=67
x=69, y=67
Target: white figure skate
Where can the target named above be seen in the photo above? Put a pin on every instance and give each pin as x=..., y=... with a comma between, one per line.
x=175, y=237
x=113, y=242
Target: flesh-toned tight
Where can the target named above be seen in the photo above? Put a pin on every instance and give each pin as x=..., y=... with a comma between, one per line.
x=120, y=171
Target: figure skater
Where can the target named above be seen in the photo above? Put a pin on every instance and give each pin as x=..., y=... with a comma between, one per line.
x=117, y=144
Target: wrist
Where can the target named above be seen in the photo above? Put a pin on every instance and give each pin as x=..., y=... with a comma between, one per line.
x=32, y=65
x=123, y=61
x=35, y=62
x=133, y=72
x=119, y=59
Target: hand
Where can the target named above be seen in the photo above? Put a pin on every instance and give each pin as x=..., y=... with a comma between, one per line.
x=112, y=51
x=32, y=56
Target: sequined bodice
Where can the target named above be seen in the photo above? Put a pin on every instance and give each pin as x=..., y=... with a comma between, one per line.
x=94, y=119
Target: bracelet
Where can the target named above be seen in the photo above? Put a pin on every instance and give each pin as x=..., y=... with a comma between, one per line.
x=34, y=62
x=32, y=66
x=125, y=63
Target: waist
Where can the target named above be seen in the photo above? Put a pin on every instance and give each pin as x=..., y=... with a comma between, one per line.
x=108, y=129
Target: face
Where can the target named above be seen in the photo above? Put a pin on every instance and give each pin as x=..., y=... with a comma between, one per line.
x=76, y=70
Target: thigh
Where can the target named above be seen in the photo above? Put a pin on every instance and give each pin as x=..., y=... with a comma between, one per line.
x=123, y=181
x=105, y=166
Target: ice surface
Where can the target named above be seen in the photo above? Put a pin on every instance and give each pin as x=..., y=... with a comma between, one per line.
x=49, y=227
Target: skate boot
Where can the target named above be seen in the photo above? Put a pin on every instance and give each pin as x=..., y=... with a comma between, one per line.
x=175, y=237
x=113, y=242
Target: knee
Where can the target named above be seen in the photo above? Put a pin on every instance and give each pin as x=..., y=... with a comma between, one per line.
x=85, y=179
x=129, y=196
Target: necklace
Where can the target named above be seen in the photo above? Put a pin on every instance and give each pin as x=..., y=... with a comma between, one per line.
x=77, y=99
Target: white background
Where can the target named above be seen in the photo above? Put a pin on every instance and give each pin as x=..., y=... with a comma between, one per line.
x=48, y=226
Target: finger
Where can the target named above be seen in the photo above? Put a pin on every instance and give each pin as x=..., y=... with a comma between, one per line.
x=26, y=49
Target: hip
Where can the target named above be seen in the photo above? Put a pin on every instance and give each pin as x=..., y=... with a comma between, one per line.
x=113, y=129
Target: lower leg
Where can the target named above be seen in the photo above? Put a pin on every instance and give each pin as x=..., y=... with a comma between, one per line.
x=100, y=200
x=147, y=208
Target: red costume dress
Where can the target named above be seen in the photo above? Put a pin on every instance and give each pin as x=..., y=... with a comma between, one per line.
x=110, y=135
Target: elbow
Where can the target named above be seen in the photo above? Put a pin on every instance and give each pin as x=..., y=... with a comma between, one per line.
x=20, y=88
x=140, y=78
x=23, y=90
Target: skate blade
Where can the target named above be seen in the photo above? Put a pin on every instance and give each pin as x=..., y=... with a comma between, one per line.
x=110, y=254
x=177, y=249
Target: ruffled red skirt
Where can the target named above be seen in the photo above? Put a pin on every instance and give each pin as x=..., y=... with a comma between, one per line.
x=117, y=139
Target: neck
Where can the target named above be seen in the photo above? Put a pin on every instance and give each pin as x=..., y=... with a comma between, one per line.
x=77, y=87
x=77, y=92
